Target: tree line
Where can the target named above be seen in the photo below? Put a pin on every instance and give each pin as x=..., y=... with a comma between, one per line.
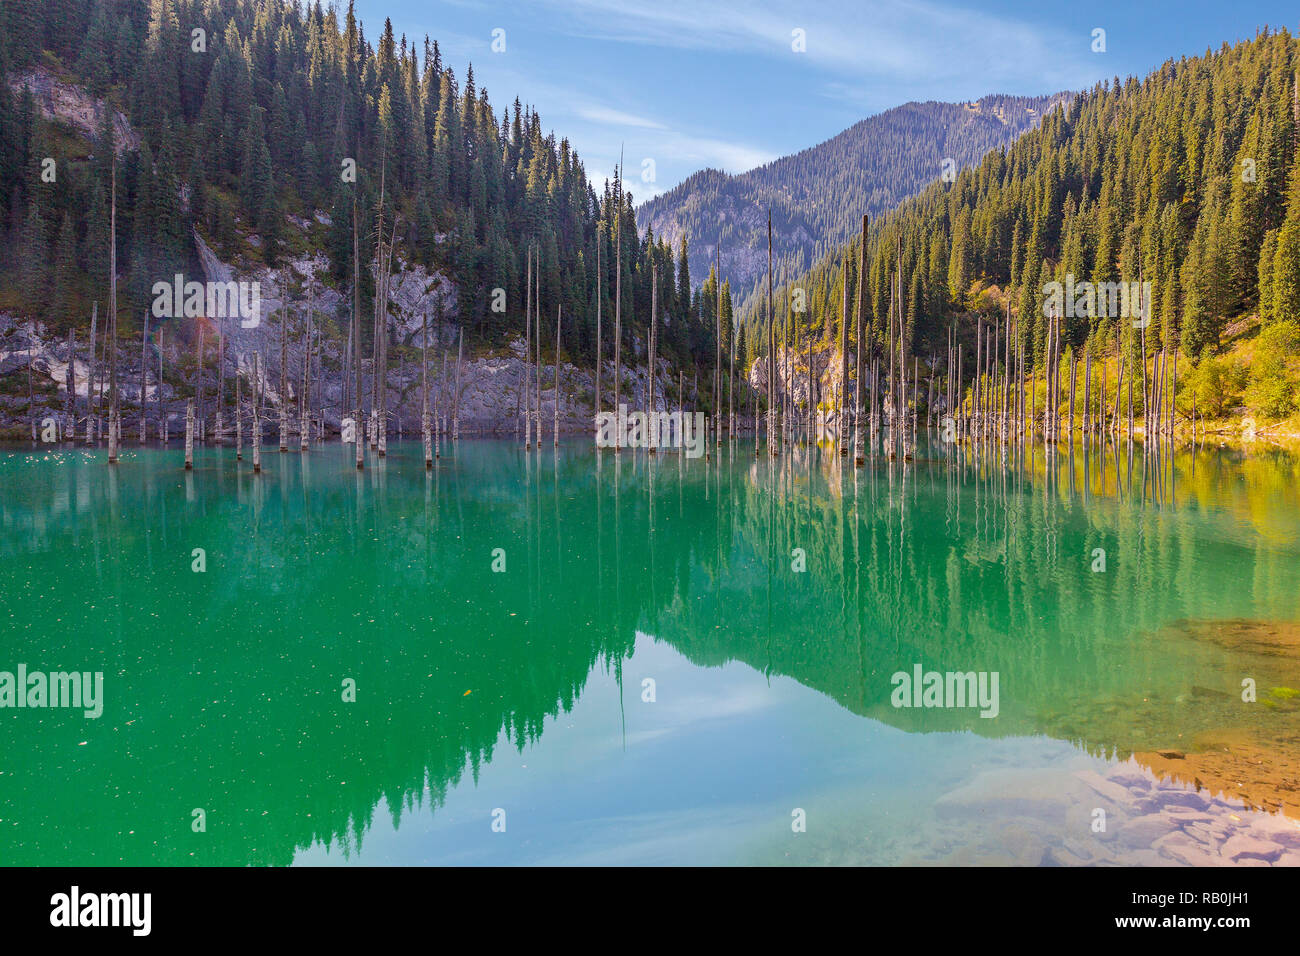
x=1188, y=180
x=261, y=123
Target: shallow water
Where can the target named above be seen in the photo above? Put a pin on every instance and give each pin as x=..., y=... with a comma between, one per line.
x=504, y=716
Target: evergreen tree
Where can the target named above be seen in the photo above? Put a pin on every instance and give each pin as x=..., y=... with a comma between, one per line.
x=65, y=273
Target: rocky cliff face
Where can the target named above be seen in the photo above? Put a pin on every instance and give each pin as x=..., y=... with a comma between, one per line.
x=792, y=378
x=65, y=103
x=488, y=390
x=489, y=386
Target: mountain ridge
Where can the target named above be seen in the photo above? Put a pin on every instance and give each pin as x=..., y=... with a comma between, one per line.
x=883, y=159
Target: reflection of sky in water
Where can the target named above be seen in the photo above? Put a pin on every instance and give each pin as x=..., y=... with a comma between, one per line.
x=708, y=773
x=222, y=688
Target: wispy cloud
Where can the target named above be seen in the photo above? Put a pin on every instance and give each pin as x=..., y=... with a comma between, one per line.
x=694, y=85
x=728, y=155
x=613, y=117
x=603, y=130
x=679, y=153
x=891, y=39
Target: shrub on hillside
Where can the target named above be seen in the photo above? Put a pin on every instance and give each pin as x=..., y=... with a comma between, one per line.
x=1215, y=383
x=1273, y=373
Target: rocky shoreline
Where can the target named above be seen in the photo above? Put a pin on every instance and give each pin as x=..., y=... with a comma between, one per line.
x=489, y=399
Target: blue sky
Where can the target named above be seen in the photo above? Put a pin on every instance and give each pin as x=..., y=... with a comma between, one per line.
x=691, y=84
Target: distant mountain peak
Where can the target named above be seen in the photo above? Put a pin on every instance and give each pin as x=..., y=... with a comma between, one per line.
x=818, y=195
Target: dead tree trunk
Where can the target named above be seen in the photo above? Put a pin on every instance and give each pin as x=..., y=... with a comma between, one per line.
x=426, y=433
x=111, y=332
x=256, y=436
x=239, y=421
x=144, y=377
x=555, y=420
x=842, y=420
x=358, y=426
x=455, y=418
x=284, y=380
x=618, y=302
x=189, y=435
x=771, y=350
x=304, y=398
x=91, y=397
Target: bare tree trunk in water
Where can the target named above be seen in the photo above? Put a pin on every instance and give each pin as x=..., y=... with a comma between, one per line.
x=527, y=394
x=70, y=386
x=652, y=426
x=283, y=408
x=358, y=427
x=218, y=421
x=162, y=413
x=189, y=435
x=91, y=397
x=771, y=350
x=426, y=434
x=858, y=457
x=110, y=341
x=842, y=421
x=537, y=346
x=144, y=377
x=257, y=411
x=304, y=399
x=600, y=355
x=239, y=422
x=618, y=300
x=555, y=426
x=455, y=418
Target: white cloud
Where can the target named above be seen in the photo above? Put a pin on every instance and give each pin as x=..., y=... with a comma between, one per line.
x=862, y=56
x=895, y=40
x=613, y=117
x=676, y=155
x=727, y=155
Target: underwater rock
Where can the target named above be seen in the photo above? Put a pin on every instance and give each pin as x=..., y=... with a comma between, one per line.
x=1241, y=848
x=1277, y=829
x=1109, y=789
x=1144, y=831
x=1021, y=793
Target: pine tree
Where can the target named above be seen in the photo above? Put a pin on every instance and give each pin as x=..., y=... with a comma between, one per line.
x=683, y=300
x=65, y=272
x=33, y=259
x=1267, y=254
x=1285, y=277
x=255, y=166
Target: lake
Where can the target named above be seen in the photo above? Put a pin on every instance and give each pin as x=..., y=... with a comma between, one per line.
x=579, y=657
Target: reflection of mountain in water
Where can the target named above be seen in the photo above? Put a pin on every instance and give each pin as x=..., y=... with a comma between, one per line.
x=225, y=688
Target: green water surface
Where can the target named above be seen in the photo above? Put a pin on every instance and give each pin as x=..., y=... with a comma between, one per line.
x=520, y=695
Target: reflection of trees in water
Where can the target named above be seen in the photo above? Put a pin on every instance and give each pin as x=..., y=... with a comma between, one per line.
x=986, y=565
x=230, y=681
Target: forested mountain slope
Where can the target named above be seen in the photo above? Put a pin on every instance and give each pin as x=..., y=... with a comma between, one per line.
x=818, y=195
x=247, y=120
x=1188, y=179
